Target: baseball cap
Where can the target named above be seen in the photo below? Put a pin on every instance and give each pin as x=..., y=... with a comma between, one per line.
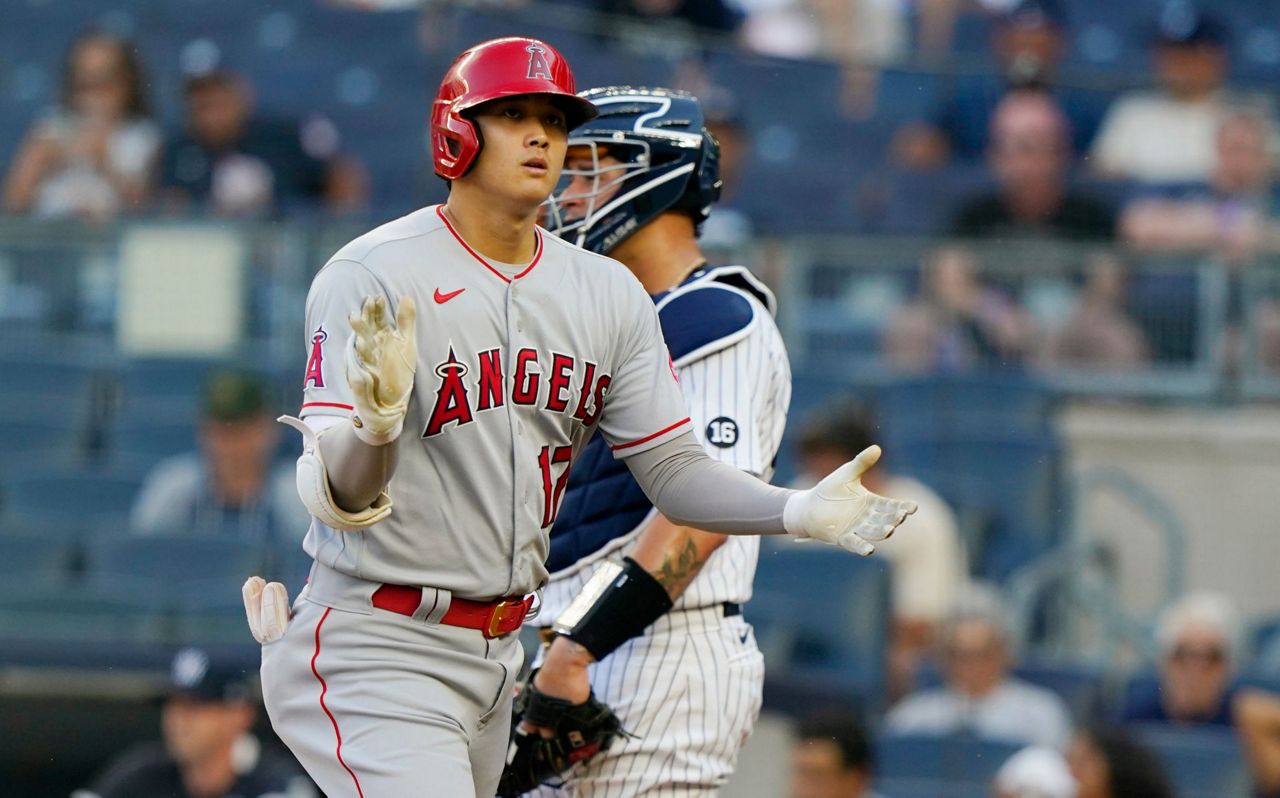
x=196, y=674
x=233, y=395
x=1035, y=14
x=1183, y=24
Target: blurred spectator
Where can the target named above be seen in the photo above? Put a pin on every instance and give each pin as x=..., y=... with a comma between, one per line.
x=980, y=696
x=230, y=486
x=1028, y=40
x=232, y=162
x=94, y=155
x=1233, y=213
x=832, y=757
x=927, y=562
x=1107, y=763
x=1099, y=334
x=1233, y=218
x=1035, y=772
x=728, y=230
x=208, y=750
x=1167, y=135
x=1030, y=156
x=958, y=322
x=1199, y=639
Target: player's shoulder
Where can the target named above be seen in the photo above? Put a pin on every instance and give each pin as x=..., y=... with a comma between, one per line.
x=589, y=264
x=366, y=248
x=713, y=309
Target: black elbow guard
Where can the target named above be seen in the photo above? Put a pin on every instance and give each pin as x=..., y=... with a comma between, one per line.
x=617, y=604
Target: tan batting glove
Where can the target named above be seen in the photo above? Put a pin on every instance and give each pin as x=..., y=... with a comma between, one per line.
x=381, y=360
x=839, y=511
x=266, y=604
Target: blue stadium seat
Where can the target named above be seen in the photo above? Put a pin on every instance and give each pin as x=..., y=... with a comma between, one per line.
x=1080, y=686
x=35, y=558
x=172, y=566
x=957, y=761
x=79, y=613
x=68, y=495
x=821, y=614
x=1203, y=762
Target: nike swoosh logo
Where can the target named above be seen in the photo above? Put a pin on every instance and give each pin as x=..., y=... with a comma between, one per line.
x=743, y=637
x=443, y=298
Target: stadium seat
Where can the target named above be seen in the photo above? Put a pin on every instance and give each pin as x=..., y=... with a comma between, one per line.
x=35, y=558
x=821, y=614
x=68, y=495
x=172, y=567
x=82, y=613
x=940, y=765
x=1203, y=762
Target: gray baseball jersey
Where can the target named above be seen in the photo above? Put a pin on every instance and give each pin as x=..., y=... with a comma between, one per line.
x=517, y=367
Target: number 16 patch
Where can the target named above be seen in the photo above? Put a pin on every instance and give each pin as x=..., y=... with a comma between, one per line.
x=722, y=432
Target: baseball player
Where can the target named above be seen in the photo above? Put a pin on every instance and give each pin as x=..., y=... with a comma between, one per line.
x=644, y=174
x=458, y=359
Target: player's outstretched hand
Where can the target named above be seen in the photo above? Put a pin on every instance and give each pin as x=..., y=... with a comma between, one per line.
x=840, y=511
x=266, y=604
x=381, y=360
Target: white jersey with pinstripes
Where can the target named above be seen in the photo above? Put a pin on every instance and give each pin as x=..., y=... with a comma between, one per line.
x=737, y=397
x=517, y=367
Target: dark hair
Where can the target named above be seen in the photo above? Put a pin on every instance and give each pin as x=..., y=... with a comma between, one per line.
x=136, y=104
x=843, y=425
x=844, y=729
x=1133, y=769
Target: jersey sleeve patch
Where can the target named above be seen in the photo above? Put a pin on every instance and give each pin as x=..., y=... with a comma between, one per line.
x=704, y=319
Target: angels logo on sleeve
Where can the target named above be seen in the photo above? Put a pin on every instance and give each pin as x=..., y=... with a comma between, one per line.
x=315, y=363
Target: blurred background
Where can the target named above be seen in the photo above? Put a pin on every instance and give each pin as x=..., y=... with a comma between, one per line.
x=1032, y=247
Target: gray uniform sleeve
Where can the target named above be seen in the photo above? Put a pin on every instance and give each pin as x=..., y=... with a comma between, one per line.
x=692, y=489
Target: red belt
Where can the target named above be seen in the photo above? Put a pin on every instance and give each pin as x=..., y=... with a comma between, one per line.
x=494, y=618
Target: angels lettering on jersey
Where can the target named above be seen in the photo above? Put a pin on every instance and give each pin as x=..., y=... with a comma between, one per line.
x=475, y=384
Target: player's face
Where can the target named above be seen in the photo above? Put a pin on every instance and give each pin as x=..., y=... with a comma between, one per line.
x=194, y=730
x=593, y=178
x=524, y=144
x=237, y=446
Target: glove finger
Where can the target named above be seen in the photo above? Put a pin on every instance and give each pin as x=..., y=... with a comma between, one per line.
x=251, y=592
x=406, y=316
x=378, y=314
x=849, y=541
x=843, y=482
x=275, y=611
x=865, y=459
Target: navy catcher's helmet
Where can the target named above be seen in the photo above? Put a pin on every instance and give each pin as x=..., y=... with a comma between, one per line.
x=667, y=161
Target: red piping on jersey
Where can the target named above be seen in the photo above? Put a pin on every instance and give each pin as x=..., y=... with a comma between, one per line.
x=537, y=253
x=647, y=438
x=324, y=688
x=327, y=404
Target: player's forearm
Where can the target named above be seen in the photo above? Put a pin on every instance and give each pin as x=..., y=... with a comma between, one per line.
x=357, y=471
x=674, y=554
x=692, y=489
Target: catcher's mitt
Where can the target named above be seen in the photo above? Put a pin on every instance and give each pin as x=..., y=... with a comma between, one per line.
x=580, y=732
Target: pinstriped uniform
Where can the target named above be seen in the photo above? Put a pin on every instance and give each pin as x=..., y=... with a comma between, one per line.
x=690, y=687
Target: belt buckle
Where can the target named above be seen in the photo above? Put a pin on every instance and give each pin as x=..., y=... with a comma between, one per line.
x=497, y=614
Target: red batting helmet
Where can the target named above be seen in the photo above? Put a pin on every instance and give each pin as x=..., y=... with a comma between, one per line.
x=489, y=71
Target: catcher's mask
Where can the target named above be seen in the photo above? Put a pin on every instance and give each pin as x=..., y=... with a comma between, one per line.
x=646, y=153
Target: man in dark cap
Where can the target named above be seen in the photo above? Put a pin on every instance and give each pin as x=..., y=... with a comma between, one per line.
x=230, y=486
x=1166, y=135
x=208, y=751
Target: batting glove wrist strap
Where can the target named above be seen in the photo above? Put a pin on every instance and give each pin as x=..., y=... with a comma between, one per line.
x=840, y=511
x=618, y=603
x=317, y=496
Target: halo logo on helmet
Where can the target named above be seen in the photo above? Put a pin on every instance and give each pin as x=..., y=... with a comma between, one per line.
x=495, y=70
x=666, y=160
x=538, y=66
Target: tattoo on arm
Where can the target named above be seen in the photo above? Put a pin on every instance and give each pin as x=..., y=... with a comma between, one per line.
x=679, y=567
